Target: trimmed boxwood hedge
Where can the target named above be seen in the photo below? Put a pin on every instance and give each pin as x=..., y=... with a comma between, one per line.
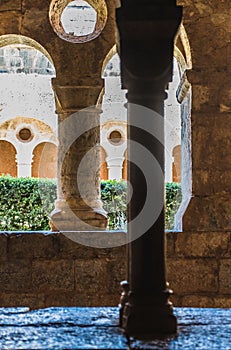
x=113, y=195
x=25, y=203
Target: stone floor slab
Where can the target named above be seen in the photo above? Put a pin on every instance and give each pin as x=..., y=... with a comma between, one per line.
x=96, y=328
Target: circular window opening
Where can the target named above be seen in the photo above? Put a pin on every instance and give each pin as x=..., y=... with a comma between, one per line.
x=115, y=137
x=79, y=18
x=25, y=135
x=78, y=21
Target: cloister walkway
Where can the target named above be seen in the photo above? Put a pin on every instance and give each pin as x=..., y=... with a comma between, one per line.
x=96, y=328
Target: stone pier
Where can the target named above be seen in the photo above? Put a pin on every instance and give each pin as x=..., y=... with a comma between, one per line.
x=78, y=205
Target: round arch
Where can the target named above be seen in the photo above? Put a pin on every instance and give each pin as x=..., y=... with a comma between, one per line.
x=45, y=160
x=125, y=166
x=109, y=56
x=183, y=45
x=7, y=158
x=182, y=51
x=11, y=128
x=182, y=54
x=21, y=40
x=103, y=164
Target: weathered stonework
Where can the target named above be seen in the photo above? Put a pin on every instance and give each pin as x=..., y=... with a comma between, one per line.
x=209, y=209
x=39, y=270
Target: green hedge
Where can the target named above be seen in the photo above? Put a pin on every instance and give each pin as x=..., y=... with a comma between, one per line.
x=26, y=202
x=113, y=195
x=173, y=199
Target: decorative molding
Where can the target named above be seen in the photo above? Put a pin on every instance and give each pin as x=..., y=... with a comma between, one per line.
x=183, y=88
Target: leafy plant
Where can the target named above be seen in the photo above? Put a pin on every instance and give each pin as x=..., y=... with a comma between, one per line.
x=114, y=198
x=113, y=195
x=173, y=199
x=26, y=202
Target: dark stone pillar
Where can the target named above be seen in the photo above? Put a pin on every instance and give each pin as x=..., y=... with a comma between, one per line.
x=147, y=30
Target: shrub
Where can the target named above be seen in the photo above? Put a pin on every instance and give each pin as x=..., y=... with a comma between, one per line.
x=173, y=199
x=26, y=202
x=113, y=195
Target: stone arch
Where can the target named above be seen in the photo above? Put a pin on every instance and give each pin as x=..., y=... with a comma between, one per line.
x=182, y=54
x=41, y=131
x=16, y=39
x=25, y=116
x=7, y=159
x=45, y=160
x=184, y=96
x=112, y=52
x=108, y=57
x=182, y=51
x=176, y=165
x=125, y=167
x=183, y=46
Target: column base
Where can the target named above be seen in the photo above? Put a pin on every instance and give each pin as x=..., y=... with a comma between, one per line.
x=146, y=318
x=78, y=219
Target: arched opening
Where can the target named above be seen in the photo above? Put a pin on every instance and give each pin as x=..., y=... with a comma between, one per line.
x=103, y=165
x=113, y=117
x=176, y=165
x=26, y=69
x=27, y=114
x=25, y=133
x=45, y=161
x=27, y=100
x=177, y=115
x=7, y=159
x=182, y=53
x=15, y=40
x=125, y=167
x=172, y=112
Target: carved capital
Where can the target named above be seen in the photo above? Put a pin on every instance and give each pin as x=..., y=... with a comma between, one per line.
x=183, y=88
x=72, y=98
x=146, y=38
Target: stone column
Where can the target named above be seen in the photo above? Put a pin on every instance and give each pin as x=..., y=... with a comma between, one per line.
x=78, y=206
x=115, y=165
x=24, y=163
x=147, y=33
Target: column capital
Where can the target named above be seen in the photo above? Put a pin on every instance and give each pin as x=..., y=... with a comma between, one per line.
x=183, y=88
x=147, y=34
x=115, y=165
x=72, y=98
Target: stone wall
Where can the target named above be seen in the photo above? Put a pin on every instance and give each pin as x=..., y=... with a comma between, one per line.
x=41, y=270
x=199, y=266
x=207, y=24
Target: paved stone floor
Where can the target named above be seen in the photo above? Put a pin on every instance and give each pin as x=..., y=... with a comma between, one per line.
x=96, y=328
